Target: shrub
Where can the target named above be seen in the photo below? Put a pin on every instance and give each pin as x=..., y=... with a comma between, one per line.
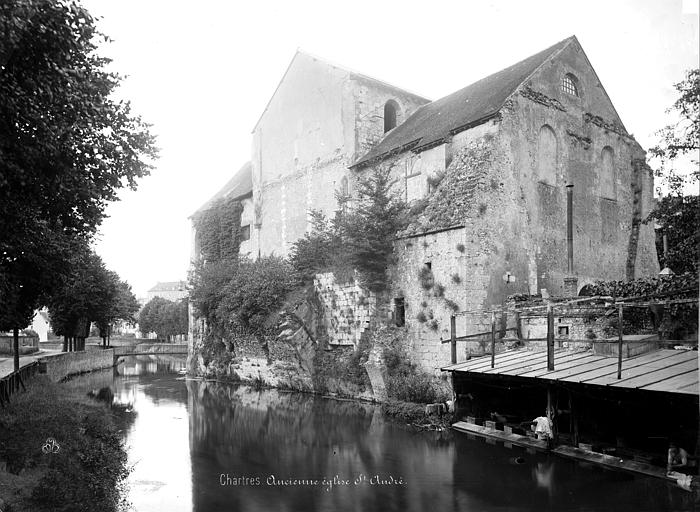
x=456, y=279
x=421, y=317
x=433, y=325
x=452, y=305
x=405, y=381
x=460, y=247
x=439, y=290
x=426, y=278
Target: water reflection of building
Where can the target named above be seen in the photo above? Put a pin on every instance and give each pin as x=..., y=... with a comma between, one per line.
x=246, y=433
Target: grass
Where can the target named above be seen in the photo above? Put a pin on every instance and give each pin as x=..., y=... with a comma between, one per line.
x=86, y=473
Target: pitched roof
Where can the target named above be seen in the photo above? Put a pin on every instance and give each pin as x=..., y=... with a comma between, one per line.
x=470, y=106
x=239, y=186
x=352, y=73
x=169, y=286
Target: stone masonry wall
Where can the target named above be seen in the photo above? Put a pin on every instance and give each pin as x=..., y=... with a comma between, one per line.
x=347, y=309
x=60, y=366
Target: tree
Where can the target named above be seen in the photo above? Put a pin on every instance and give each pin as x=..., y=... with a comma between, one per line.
x=66, y=146
x=82, y=296
x=164, y=317
x=117, y=303
x=371, y=227
x=682, y=137
x=678, y=218
x=679, y=215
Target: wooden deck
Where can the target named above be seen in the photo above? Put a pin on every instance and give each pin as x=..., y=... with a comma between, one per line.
x=500, y=435
x=571, y=452
x=669, y=371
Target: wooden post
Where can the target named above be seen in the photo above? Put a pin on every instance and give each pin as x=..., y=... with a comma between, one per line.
x=550, y=338
x=453, y=339
x=574, y=418
x=619, y=341
x=493, y=339
x=550, y=414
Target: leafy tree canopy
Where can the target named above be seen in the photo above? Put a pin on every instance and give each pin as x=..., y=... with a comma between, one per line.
x=164, y=317
x=66, y=145
x=682, y=137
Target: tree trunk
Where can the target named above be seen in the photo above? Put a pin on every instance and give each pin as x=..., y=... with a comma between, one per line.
x=65, y=343
x=104, y=341
x=15, y=346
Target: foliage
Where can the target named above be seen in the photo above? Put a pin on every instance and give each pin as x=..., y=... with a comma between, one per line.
x=677, y=286
x=85, y=294
x=681, y=138
x=219, y=230
x=91, y=465
x=66, y=147
x=372, y=225
x=405, y=381
x=323, y=248
x=674, y=321
x=439, y=290
x=679, y=218
x=29, y=332
x=237, y=296
x=256, y=289
x=164, y=317
x=342, y=363
x=426, y=278
x=360, y=237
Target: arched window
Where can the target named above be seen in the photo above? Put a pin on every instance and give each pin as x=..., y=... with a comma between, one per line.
x=547, y=156
x=607, y=173
x=344, y=189
x=569, y=84
x=390, y=110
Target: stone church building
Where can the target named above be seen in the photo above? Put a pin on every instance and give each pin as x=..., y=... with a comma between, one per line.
x=489, y=164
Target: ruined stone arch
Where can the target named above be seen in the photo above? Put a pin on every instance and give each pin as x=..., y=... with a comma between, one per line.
x=391, y=115
x=547, y=156
x=607, y=173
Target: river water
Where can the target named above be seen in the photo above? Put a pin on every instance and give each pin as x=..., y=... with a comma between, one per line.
x=208, y=447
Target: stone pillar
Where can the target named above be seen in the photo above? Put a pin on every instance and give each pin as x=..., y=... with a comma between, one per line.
x=570, y=286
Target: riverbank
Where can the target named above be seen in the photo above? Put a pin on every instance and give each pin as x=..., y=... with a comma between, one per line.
x=60, y=450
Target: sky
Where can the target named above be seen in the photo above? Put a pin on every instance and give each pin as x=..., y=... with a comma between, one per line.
x=201, y=72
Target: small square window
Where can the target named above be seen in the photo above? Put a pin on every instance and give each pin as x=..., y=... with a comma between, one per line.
x=563, y=330
x=245, y=232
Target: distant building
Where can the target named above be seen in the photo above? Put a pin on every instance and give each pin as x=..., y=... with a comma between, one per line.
x=171, y=290
x=40, y=324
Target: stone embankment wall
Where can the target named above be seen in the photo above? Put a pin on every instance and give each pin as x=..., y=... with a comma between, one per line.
x=60, y=366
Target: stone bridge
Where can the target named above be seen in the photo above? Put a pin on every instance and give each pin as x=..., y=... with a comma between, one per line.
x=149, y=349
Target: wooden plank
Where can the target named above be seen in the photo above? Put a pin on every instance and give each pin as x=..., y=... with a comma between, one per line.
x=656, y=375
x=510, y=366
x=675, y=384
x=528, y=442
x=633, y=362
x=612, y=461
x=641, y=370
x=584, y=364
x=502, y=358
x=692, y=389
x=562, y=364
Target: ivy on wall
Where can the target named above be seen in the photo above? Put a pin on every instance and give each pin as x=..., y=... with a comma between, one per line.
x=219, y=230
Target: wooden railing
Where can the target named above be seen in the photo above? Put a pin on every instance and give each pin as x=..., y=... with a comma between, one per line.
x=10, y=384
